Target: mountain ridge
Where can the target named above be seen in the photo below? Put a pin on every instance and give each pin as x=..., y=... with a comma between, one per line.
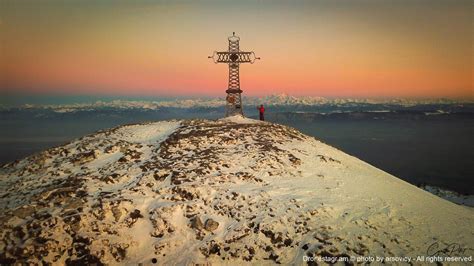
x=202, y=191
x=214, y=102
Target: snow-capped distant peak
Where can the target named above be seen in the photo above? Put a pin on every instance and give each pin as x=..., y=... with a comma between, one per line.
x=282, y=99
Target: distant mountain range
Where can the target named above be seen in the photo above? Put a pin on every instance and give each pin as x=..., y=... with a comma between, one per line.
x=218, y=102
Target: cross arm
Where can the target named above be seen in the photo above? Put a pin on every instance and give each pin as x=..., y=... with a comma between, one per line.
x=234, y=57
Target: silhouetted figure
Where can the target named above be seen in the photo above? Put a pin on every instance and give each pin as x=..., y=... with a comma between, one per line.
x=261, y=110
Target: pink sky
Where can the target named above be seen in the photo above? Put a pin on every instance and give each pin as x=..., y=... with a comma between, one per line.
x=316, y=48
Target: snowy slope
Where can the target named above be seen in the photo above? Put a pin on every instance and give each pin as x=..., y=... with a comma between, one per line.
x=236, y=189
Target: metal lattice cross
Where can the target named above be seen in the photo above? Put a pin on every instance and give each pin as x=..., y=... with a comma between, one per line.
x=234, y=57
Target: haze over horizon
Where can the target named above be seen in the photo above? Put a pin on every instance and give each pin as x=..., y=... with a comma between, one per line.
x=361, y=49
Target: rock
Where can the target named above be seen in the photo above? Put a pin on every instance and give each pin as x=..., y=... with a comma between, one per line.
x=61, y=192
x=211, y=225
x=85, y=158
x=112, y=149
x=196, y=223
x=24, y=211
x=133, y=217
x=136, y=214
x=161, y=174
x=73, y=203
x=117, y=213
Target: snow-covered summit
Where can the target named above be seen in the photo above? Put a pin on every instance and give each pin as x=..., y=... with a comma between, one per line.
x=239, y=119
x=226, y=191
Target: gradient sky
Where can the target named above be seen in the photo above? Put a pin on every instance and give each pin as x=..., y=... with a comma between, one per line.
x=319, y=48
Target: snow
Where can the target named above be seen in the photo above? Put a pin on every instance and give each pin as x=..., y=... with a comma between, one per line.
x=239, y=119
x=271, y=100
x=152, y=191
x=466, y=200
x=147, y=133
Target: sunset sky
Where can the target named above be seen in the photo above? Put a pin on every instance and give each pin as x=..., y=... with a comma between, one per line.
x=317, y=48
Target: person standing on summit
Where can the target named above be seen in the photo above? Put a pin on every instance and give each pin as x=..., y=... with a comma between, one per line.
x=261, y=110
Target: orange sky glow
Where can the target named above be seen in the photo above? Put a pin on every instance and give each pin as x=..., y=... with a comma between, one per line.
x=317, y=48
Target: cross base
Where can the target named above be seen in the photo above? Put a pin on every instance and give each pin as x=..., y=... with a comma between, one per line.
x=234, y=104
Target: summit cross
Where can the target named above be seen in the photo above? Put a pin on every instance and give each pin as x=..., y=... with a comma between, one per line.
x=234, y=57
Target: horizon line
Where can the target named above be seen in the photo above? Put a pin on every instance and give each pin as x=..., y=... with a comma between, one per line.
x=194, y=96
x=29, y=92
